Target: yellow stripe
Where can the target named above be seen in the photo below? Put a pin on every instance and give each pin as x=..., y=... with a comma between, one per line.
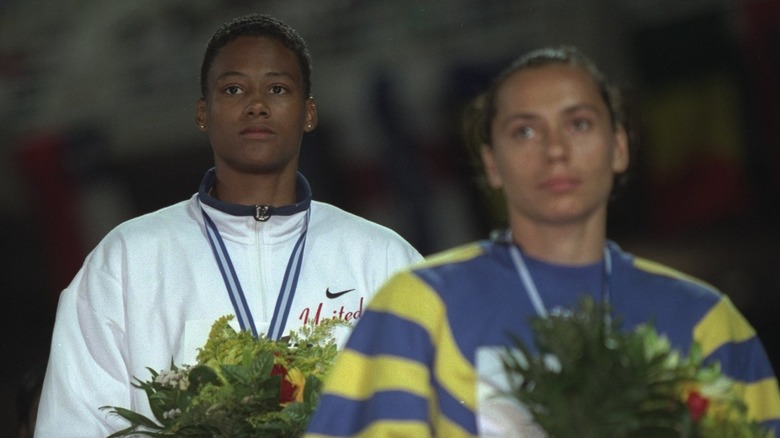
x=357, y=377
x=388, y=429
x=762, y=398
x=408, y=297
x=402, y=429
x=453, y=255
x=722, y=324
x=657, y=268
x=448, y=429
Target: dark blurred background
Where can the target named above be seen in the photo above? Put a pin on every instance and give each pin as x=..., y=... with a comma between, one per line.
x=97, y=103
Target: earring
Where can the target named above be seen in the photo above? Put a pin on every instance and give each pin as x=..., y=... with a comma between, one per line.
x=202, y=126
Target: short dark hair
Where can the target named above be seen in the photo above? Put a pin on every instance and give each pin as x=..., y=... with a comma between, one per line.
x=257, y=25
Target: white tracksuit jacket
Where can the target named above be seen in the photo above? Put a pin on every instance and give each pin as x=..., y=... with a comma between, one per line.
x=149, y=292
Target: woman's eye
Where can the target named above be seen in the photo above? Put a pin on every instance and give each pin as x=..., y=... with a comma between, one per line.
x=232, y=89
x=580, y=125
x=525, y=133
x=278, y=89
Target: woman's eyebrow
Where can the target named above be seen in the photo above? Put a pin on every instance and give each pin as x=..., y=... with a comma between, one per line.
x=230, y=74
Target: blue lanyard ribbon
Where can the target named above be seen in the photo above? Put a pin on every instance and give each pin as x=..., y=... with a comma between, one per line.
x=530, y=285
x=233, y=285
x=289, y=284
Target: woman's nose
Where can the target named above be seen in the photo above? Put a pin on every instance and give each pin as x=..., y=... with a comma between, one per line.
x=557, y=145
x=256, y=106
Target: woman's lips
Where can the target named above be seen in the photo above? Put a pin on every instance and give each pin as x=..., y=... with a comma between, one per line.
x=257, y=132
x=560, y=184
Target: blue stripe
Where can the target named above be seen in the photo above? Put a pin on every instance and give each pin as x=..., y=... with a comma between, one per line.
x=232, y=284
x=237, y=292
x=345, y=417
x=772, y=426
x=456, y=411
x=383, y=333
x=739, y=360
x=287, y=292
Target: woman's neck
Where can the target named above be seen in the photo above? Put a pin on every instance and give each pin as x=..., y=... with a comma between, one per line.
x=275, y=189
x=562, y=244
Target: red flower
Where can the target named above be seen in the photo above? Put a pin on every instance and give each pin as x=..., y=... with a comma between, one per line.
x=286, y=389
x=697, y=405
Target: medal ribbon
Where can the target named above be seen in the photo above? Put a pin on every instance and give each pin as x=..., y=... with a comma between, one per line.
x=530, y=286
x=233, y=285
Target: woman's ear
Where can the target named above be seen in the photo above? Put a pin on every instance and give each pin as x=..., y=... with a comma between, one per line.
x=311, y=115
x=200, y=114
x=620, y=156
x=494, y=179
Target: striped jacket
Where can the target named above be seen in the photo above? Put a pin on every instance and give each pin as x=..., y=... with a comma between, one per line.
x=412, y=364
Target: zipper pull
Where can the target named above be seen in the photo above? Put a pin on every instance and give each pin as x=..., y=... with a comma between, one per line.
x=261, y=213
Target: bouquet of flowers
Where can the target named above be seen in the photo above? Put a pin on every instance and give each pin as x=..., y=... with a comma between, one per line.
x=240, y=386
x=589, y=379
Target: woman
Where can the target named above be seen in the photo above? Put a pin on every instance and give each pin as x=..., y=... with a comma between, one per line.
x=251, y=242
x=425, y=358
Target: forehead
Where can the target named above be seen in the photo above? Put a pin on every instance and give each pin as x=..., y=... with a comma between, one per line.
x=250, y=54
x=549, y=87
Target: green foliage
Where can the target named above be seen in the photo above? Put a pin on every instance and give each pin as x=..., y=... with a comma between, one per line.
x=590, y=379
x=240, y=387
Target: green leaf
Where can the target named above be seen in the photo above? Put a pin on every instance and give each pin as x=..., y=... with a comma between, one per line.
x=236, y=373
x=133, y=417
x=124, y=432
x=201, y=375
x=263, y=363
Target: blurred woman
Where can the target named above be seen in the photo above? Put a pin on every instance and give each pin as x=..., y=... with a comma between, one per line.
x=425, y=358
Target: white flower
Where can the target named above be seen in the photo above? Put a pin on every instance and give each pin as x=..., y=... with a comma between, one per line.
x=173, y=413
x=175, y=379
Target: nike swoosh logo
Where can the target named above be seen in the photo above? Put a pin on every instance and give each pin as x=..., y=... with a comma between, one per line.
x=332, y=295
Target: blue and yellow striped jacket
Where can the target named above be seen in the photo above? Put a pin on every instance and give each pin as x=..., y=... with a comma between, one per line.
x=409, y=368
